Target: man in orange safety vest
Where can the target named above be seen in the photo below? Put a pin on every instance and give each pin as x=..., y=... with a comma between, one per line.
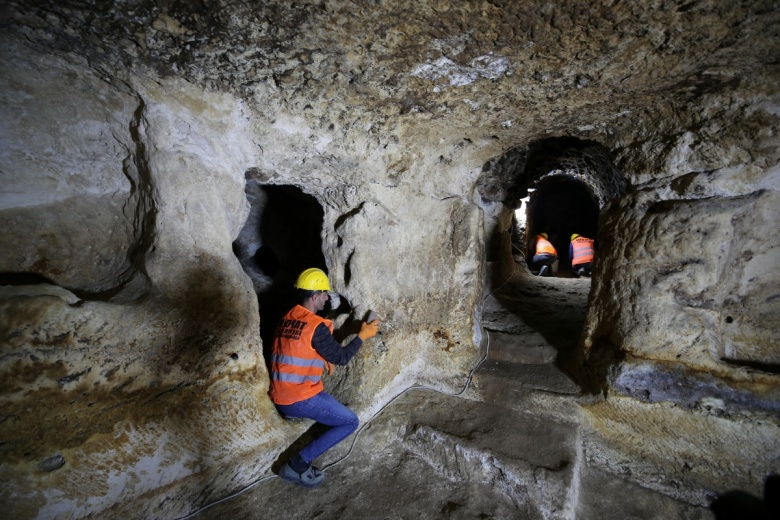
x=303, y=347
x=545, y=255
x=581, y=252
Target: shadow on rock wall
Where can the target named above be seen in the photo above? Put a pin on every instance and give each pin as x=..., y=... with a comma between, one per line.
x=204, y=319
x=212, y=387
x=739, y=505
x=95, y=368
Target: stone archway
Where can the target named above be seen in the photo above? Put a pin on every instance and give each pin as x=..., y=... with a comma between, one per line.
x=566, y=182
x=550, y=173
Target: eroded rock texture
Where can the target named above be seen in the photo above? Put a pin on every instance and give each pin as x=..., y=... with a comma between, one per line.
x=139, y=139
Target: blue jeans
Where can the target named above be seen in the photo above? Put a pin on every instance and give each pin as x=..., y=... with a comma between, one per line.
x=325, y=409
x=543, y=259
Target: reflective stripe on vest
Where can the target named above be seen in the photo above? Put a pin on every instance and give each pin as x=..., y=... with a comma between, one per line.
x=295, y=378
x=582, y=251
x=543, y=246
x=298, y=362
x=296, y=368
x=281, y=374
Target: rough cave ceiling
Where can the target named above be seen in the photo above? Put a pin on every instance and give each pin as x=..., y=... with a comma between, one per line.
x=489, y=68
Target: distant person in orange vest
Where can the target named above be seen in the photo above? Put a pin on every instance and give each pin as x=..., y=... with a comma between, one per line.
x=581, y=252
x=303, y=346
x=545, y=255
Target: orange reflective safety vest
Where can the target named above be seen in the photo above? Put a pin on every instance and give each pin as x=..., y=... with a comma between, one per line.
x=296, y=368
x=544, y=247
x=582, y=251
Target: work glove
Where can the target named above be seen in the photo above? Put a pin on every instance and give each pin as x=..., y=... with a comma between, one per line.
x=369, y=330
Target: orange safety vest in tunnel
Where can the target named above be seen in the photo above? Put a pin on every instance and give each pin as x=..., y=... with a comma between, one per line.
x=543, y=246
x=296, y=368
x=582, y=250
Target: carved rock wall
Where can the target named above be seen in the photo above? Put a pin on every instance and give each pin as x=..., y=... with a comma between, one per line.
x=147, y=374
x=132, y=371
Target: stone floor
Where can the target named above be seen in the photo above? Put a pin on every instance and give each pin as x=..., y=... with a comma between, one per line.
x=508, y=447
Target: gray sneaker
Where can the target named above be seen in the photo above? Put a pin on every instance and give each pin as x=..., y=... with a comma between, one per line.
x=312, y=477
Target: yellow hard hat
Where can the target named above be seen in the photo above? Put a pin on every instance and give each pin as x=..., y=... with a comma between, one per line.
x=575, y=235
x=543, y=235
x=313, y=279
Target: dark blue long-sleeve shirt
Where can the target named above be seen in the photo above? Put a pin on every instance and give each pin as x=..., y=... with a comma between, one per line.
x=330, y=349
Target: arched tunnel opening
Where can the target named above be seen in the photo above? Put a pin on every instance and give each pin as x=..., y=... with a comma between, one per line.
x=556, y=186
x=281, y=238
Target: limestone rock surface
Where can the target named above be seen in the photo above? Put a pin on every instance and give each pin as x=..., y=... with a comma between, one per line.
x=141, y=143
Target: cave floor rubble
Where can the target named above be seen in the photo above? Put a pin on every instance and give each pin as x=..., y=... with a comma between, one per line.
x=508, y=448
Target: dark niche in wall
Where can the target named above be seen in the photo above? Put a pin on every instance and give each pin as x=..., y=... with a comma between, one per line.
x=281, y=238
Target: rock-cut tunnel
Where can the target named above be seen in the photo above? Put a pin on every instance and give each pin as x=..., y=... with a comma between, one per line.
x=168, y=168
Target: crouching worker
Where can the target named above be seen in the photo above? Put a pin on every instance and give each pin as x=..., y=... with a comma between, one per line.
x=545, y=255
x=303, y=346
x=581, y=251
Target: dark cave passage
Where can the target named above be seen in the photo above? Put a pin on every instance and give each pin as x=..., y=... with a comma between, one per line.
x=413, y=151
x=556, y=186
x=561, y=206
x=280, y=238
